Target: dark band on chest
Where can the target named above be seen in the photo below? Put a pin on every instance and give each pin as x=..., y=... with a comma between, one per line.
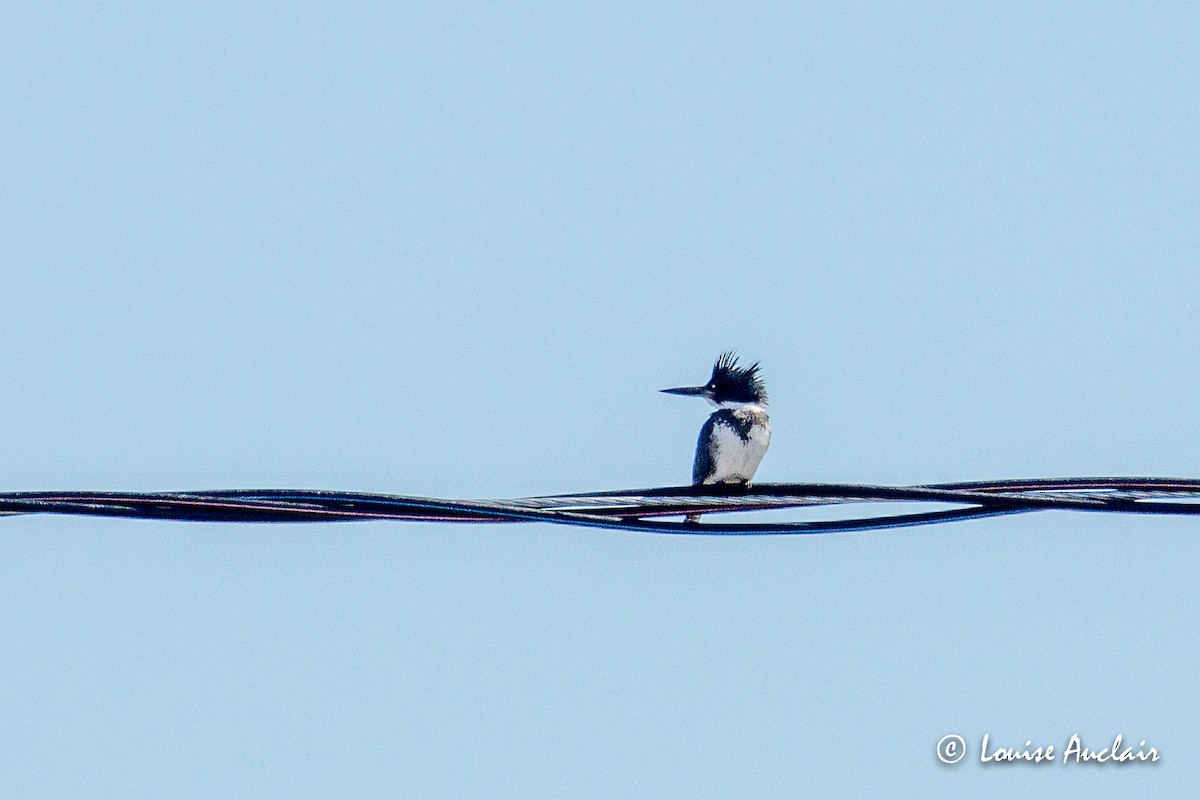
x=740, y=420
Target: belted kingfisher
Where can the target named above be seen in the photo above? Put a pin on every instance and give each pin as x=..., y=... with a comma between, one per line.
x=735, y=437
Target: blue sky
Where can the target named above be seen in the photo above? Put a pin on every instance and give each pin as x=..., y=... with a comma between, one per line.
x=453, y=250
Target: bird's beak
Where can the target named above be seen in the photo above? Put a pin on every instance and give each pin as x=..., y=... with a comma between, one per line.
x=689, y=391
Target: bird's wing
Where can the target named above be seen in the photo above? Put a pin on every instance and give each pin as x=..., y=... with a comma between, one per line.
x=703, y=467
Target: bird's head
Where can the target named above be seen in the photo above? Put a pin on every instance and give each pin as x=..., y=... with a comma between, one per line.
x=730, y=385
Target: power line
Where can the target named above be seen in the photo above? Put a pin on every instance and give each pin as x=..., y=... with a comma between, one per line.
x=640, y=510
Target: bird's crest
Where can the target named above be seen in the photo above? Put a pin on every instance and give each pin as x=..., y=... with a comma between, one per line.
x=731, y=382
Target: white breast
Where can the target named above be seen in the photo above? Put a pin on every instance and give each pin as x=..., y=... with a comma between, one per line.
x=736, y=460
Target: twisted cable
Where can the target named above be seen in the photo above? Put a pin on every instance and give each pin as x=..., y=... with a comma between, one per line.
x=642, y=510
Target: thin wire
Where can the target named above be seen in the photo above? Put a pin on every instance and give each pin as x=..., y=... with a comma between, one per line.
x=639, y=509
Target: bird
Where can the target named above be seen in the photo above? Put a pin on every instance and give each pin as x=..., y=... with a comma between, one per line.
x=735, y=437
